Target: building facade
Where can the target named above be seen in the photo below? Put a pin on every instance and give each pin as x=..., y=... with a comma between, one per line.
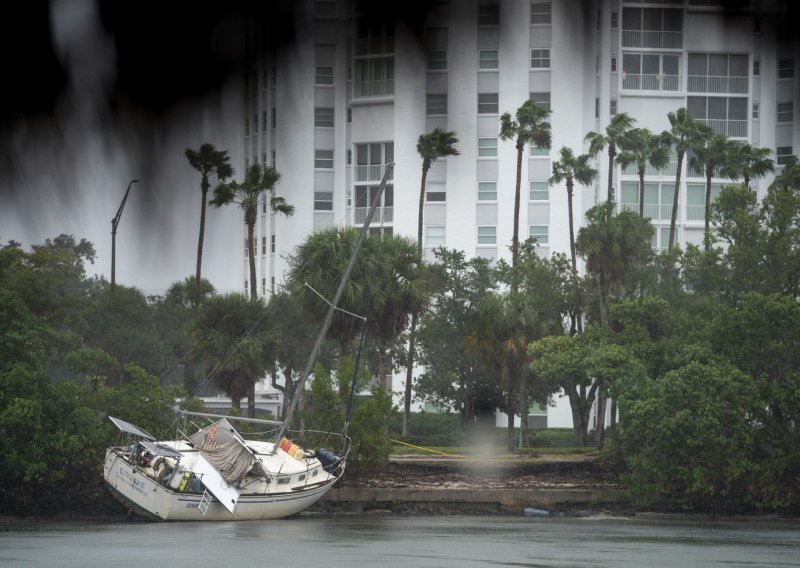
x=357, y=86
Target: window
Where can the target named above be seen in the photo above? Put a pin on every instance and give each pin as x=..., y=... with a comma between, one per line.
x=272, y=243
x=487, y=191
x=274, y=118
x=487, y=103
x=263, y=286
x=541, y=13
x=436, y=103
x=487, y=236
x=718, y=73
x=535, y=152
x=612, y=107
x=435, y=191
x=263, y=120
x=614, y=20
x=264, y=159
x=323, y=76
x=658, y=198
x=437, y=60
x=540, y=233
x=487, y=147
x=349, y=115
x=255, y=123
x=755, y=110
x=263, y=245
x=782, y=155
x=597, y=107
x=785, y=68
x=696, y=200
x=371, y=159
x=785, y=112
x=652, y=28
x=651, y=71
x=272, y=284
x=323, y=159
x=726, y=115
x=487, y=59
x=613, y=63
x=541, y=99
x=488, y=14
x=349, y=157
x=323, y=116
x=374, y=76
x=540, y=59
x=434, y=236
x=323, y=201
x=539, y=191
x=273, y=158
x=756, y=67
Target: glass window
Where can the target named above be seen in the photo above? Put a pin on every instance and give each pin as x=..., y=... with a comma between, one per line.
x=785, y=68
x=487, y=59
x=782, y=155
x=272, y=243
x=535, y=152
x=434, y=236
x=541, y=99
x=756, y=67
x=614, y=20
x=540, y=233
x=487, y=236
x=487, y=147
x=541, y=13
x=539, y=191
x=436, y=104
x=488, y=14
x=487, y=191
x=323, y=201
x=323, y=116
x=540, y=59
x=612, y=107
x=755, y=110
x=785, y=112
x=323, y=159
x=487, y=103
x=323, y=76
x=435, y=191
x=437, y=60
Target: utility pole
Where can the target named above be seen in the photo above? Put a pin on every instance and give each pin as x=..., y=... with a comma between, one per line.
x=114, y=223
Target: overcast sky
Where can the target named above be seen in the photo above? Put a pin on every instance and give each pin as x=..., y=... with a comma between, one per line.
x=100, y=94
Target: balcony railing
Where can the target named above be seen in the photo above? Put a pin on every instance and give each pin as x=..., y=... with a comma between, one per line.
x=732, y=128
x=660, y=82
x=655, y=39
x=382, y=215
x=649, y=170
x=695, y=212
x=371, y=173
x=715, y=84
x=374, y=88
x=651, y=210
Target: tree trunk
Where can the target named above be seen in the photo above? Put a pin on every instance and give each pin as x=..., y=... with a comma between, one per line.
x=251, y=257
x=612, y=152
x=515, y=236
x=641, y=192
x=601, y=418
x=251, y=400
x=524, y=408
x=674, y=217
x=571, y=227
x=200, y=238
x=613, y=413
x=706, y=237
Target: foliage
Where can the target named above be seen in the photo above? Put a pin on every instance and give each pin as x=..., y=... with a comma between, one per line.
x=615, y=133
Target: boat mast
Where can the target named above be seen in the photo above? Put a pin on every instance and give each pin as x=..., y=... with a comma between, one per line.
x=312, y=358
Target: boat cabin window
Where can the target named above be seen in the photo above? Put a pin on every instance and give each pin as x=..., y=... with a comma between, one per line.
x=301, y=477
x=284, y=480
x=314, y=472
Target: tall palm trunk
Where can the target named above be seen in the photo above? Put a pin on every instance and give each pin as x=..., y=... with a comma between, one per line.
x=412, y=334
x=515, y=375
x=674, y=217
x=571, y=227
x=250, y=221
x=612, y=153
x=706, y=216
x=200, y=238
x=515, y=236
x=641, y=192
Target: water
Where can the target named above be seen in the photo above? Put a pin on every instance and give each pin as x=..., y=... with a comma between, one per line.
x=410, y=542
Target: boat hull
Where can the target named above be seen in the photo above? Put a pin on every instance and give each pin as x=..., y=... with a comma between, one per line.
x=146, y=497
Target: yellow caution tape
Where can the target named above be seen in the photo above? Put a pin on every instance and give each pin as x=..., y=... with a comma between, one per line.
x=427, y=449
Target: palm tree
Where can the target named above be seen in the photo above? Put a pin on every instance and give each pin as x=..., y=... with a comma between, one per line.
x=683, y=134
x=571, y=168
x=436, y=144
x=257, y=182
x=711, y=152
x=641, y=147
x=748, y=162
x=208, y=161
x=619, y=125
x=530, y=127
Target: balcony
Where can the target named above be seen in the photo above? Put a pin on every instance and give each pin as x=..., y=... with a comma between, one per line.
x=652, y=210
x=717, y=84
x=652, y=39
x=382, y=215
x=373, y=173
x=695, y=212
x=731, y=128
x=659, y=82
x=649, y=170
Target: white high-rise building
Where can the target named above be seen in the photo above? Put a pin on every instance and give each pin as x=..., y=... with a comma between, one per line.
x=358, y=85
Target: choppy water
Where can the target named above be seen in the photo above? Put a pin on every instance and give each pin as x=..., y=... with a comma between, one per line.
x=390, y=541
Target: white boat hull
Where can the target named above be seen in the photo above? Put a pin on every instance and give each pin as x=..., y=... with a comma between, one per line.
x=147, y=497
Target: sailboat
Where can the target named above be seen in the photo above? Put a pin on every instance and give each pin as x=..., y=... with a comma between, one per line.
x=216, y=473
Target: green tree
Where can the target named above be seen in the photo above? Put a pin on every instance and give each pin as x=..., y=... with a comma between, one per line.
x=436, y=144
x=683, y=133
x=789, y=178
x=641, y=147
x=531, y=126
x=747, y=162
x=257, y=183
x=570, y=169
x=232, y=336
x=618, y=128
x=208, y=161
x=711, y=153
